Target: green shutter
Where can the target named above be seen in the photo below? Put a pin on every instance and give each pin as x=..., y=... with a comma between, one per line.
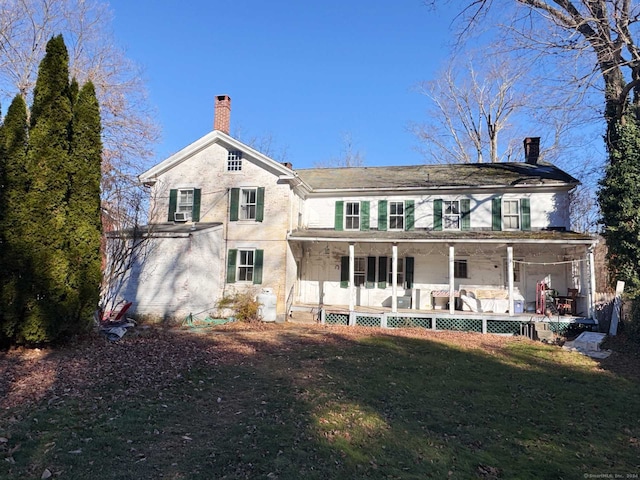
x=257, y=266
x=231, y=266
x=437, y=214
x=382, y=272
x=260, y=204
x=173, y=203
x=409, y=208
x=465, y=214
x=382, y=215
x=496, y=213
x=364, y=215
x=344, y=272
x=234, y=204
x=195, y=211
x=339, y=215
x=371, y=272
x=409, y=267
x=525, y=214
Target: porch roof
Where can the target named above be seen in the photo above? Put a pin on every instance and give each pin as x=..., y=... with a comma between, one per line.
x=431, y=236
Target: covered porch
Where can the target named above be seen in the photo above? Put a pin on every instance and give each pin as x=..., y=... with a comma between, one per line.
x=430, y=278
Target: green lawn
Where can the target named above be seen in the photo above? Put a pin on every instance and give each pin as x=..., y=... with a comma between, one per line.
x=294, y=402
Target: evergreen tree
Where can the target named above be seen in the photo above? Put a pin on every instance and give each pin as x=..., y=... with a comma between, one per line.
x=619, y=198
x=15, y=274
x=84, y=201
x=48, y=313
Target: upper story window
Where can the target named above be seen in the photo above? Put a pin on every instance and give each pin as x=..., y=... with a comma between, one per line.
x=396, y=215
x=248, y=203
x=451, y=214
x=185, y=201
x=511, y=214
x=184, y=204
x=352, y=216
x=234, y=161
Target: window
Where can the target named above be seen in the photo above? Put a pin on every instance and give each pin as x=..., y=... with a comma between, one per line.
x=352, y=216
x=400, y=274
x=234, y=161
x=185, y=202
x=245, y=265
x=460, y=269
x=511, y=214
x=359, y=271
x=396, y=215
x=451, y=214
x=516, y=270
x=248, y=203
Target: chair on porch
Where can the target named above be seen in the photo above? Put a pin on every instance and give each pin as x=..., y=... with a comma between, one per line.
x=568, y=304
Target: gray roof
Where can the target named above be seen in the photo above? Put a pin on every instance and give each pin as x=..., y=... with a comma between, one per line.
x=433, y=176
x=167, y=228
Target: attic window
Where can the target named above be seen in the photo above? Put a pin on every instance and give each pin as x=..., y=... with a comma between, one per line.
x=234, y=161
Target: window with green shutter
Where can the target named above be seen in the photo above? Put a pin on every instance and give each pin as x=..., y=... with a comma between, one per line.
x=184, y=204
x=339, y=216
x=231, y=265
x=525, y=213
x=437, y=214
x=409, y=208
x=382, y=215
x=371, y=272
x=382, y=272
x=496, y=213
x=234, y=204
x=465, y=214
x=258, y=260
x=344, y=272
x=364, y=215
x=173, y=204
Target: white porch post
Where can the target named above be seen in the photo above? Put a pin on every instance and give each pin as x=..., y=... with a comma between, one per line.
x=352, y=277
x=510, y=275
x=394, y=278
x=452, y=285
x=591, y=298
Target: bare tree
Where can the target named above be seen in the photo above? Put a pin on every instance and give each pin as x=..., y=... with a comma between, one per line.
x=472, y=108
x=597, y=36
x=129, y=128
x=349, y=156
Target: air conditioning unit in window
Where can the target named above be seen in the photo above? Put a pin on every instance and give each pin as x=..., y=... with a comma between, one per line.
x=180, y=216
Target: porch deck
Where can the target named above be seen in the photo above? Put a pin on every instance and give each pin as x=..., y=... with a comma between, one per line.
x=382, y=317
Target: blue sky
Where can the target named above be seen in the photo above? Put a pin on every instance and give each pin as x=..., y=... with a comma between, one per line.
x=303, y=73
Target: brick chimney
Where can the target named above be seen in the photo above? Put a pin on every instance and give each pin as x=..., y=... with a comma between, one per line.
x=531, y=150
x=222, y=113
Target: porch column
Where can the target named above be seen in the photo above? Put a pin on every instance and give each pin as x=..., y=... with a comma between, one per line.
x=591, y=298
x=452, y=280
x=510, y=275
x=352, y=277
x=394, y=278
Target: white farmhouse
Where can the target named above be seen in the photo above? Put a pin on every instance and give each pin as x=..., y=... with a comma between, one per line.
x=468, y=237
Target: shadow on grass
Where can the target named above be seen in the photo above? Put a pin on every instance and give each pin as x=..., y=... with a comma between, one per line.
x=315, y=404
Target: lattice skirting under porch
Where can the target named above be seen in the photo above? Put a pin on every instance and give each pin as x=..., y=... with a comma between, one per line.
x=433, y=322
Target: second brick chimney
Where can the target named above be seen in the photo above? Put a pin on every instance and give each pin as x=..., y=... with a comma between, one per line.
x=222, y=113
x=531, y=150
